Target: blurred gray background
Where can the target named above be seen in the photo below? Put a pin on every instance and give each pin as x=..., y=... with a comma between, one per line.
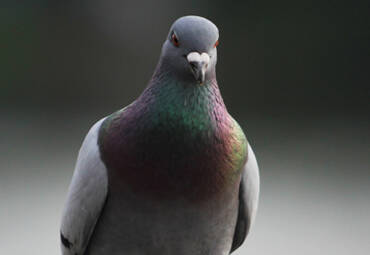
x=295, y=74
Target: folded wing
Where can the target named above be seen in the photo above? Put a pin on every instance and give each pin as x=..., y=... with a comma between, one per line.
x=248, y=200
x=86, y=197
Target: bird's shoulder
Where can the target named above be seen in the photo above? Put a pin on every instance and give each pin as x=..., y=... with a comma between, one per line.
x=239, y=144
x=111, y=119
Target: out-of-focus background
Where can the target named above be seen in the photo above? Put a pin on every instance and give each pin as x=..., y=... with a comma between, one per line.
x=295, y=74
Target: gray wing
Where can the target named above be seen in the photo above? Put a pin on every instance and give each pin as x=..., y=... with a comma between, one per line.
x=86, y=196
x=248, y=200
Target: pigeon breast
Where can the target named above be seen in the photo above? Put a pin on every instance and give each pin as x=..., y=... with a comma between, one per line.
x=175, y=141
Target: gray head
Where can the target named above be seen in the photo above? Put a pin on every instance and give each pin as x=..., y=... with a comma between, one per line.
x=190, y=50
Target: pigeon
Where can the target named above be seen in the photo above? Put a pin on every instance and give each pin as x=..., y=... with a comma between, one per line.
x=170, y=174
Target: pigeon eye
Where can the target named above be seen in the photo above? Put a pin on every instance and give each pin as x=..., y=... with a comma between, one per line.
x=174, y=40
x=216, y=43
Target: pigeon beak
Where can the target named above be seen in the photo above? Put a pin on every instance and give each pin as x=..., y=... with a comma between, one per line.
x=198, y=65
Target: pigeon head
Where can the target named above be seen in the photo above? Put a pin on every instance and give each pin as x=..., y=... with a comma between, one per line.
x=190, y=50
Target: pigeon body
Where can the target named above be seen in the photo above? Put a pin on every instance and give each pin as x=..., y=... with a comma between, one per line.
x=172, y=173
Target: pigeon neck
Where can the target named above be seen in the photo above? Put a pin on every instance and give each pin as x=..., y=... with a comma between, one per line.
x=168, y=92
x=189, y=105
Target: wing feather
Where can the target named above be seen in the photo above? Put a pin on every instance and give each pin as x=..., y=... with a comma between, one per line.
x=86, y=197
x=248, y=200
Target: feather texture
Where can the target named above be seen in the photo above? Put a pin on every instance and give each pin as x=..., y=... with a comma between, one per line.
x=86, y=196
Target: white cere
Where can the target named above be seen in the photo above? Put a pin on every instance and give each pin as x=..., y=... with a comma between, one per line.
x=196, y=57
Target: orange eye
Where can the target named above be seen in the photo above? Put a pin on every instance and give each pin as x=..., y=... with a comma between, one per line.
x=216, y=43
x=174, y=40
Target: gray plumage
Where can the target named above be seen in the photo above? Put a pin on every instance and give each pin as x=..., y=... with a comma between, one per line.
x=86, y=196
x=103, y=216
